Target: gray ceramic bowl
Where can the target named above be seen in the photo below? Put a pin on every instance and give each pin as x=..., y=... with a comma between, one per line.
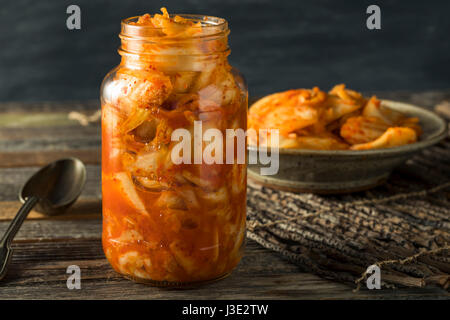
x=343, y=171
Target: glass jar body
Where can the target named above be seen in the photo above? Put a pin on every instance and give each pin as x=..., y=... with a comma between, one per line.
x=164, y=222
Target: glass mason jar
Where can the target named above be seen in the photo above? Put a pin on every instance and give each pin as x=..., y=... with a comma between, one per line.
x=164, y=223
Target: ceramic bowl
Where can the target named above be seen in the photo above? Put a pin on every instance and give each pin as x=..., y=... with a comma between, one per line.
x=344, y=171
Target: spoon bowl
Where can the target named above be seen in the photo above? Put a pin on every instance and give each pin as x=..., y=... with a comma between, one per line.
x=57, y=186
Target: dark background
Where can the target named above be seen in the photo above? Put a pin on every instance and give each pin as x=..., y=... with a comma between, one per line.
x=276, y=44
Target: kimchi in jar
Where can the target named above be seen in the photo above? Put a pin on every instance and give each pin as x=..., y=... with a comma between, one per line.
x=166, y=223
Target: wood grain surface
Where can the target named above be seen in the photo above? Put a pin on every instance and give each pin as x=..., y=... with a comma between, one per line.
x=46, y=246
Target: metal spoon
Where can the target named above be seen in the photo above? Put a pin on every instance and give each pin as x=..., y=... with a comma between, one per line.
x=52, y=190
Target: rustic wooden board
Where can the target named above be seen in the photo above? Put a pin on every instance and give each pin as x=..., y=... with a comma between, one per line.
x=45, y=246
x=39, y=271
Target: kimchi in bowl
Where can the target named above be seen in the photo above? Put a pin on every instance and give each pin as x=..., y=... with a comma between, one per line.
x=344, y=171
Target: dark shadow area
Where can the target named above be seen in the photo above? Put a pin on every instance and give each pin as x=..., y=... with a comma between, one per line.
x=276, y=44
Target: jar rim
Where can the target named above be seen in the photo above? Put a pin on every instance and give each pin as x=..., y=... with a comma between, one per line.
x=206, y=21
x=212, y=29
x=212, y=26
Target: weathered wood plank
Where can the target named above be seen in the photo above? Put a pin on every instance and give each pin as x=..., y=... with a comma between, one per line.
x=34, y=158
x=38, y=271
x=36, y=138
x=57, y=229
x=44, y=145
x=50, y=133
x=34, y=119
x=50, y=106
x=82, y=209
x=44, y=137
x=39, y=145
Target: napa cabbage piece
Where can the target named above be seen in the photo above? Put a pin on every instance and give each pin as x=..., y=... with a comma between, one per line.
x=358, y=130
x=393, y=137
x=127, y=189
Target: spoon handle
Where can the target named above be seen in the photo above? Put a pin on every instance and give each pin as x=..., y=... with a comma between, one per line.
x=16, y=223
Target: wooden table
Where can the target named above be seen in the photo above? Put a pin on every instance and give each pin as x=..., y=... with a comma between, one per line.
x=33, y=134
